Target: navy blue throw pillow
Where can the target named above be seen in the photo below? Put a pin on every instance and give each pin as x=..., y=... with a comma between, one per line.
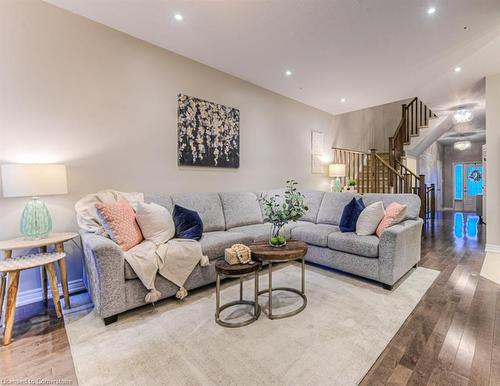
x=188, y=224
x=350, y=215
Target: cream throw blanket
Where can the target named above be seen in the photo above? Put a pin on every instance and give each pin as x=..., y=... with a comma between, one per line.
x=175, y=260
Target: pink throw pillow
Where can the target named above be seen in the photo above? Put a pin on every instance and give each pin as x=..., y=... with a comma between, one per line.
x=118, y=219
x=394, y=214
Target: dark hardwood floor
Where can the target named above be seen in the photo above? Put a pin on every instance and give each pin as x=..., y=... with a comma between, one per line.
x=453, y=335
x=451, y=338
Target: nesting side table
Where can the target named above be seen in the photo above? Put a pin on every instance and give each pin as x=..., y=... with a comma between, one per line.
x=237, y=271
x=292, y=251
x=44, y=260
x=13, y=267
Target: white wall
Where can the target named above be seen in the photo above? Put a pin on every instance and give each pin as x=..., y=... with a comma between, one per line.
x=491, y=264
x=430, y=164
x=104, y=103
x=367, y=129
x=412, y=164
x=493, y=160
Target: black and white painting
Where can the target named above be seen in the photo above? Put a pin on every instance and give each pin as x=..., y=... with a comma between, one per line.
x=208, y=133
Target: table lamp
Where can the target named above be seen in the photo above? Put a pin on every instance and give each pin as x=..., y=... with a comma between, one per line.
x=336, y=171
x=33, y=180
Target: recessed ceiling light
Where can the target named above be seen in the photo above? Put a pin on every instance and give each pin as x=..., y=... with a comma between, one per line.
x=458, y=69
x=431, y=10
x=178, y=17
x=288, y=73
x=342, y=100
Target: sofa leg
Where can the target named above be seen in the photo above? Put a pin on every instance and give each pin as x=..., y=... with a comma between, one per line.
x=388, y=287
x=110, y=319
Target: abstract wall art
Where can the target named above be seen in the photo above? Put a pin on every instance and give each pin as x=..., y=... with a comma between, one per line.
x=208, y=133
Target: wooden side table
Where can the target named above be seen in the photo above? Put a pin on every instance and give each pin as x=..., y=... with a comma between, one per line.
x=292, y=251
x=56, y=239
x=237, y=271
x=13, y=267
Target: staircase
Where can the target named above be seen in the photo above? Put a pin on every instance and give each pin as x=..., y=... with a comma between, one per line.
x=386, y=172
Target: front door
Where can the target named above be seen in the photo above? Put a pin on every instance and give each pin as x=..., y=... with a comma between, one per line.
x=468, y=182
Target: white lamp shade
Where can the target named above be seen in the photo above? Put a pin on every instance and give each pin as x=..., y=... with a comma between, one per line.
x=29, y=180
x=336, y=170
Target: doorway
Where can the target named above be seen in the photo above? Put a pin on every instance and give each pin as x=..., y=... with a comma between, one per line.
x=468, y=184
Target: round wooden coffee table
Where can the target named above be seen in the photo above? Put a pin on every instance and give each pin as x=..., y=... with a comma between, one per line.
x=237, y=271
x=292, y=251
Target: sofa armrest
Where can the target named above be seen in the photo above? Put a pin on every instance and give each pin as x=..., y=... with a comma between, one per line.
x=105, y=266
x=399, y=250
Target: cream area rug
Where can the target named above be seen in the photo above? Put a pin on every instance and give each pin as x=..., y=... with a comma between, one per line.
x=346, y=325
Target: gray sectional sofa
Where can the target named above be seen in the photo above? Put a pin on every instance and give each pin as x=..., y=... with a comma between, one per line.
x=231, y=218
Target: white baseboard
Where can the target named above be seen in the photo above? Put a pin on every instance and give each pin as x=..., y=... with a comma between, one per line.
x=492, y=248
x=36, y=294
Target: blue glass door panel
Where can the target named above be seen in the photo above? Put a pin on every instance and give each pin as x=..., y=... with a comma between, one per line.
x=459, y=182
x=474, y=180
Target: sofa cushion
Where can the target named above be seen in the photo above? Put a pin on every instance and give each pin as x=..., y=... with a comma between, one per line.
x=315, y=234
x=119, y=222
x=350, y=242
x=207, y=205
x=412, y=201
x=313, y=201
x=161, y=199
x=240, y=208
x=213, y=244
x=156, y=222
x=369, y=219
x=258, y=232
x=351, y=214
x=294, y=224
x=262, y=232
x=332, y=205
x=188, y=224
x=394, y=214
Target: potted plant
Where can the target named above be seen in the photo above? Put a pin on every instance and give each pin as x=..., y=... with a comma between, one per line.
x=291, y=209
x=351, y=186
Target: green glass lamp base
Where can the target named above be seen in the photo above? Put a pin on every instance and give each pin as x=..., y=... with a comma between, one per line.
x=35, y=220
x=336, y=185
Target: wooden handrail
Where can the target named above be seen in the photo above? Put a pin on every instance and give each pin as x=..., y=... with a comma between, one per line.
x=430, y=202
x=388, y=166
x=414, y=115
x=405, y=168
x=373, y=174
x=349, y=150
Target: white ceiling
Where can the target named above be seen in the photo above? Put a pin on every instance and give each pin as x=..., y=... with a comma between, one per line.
x=367, y=51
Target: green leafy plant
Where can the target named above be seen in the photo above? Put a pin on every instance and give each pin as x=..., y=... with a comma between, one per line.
x=278, y=214
x=351, y=182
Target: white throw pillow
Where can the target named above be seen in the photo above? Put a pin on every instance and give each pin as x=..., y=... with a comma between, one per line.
x=156, y=222
x=369, y=219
